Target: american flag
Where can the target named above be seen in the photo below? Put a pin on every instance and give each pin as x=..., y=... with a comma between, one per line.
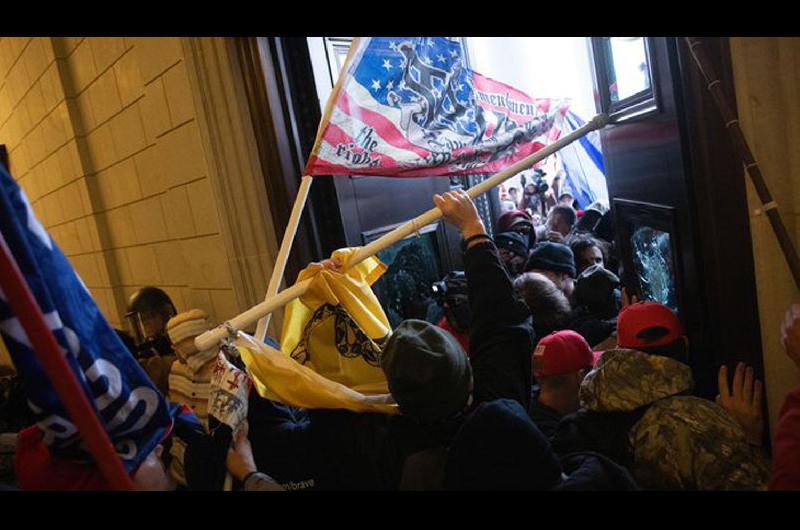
x=408, y=106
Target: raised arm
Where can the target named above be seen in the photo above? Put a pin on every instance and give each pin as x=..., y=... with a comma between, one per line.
x=501, y=334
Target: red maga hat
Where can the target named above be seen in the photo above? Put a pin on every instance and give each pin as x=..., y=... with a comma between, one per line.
x=647, y=325
x=562, y=352
x=512, y=218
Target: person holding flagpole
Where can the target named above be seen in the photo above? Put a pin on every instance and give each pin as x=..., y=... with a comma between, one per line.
x=434, y=383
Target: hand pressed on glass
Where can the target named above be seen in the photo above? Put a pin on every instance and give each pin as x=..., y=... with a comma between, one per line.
x=743, y=400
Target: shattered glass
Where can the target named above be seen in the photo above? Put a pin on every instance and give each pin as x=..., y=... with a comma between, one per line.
x=653, y=265
x=404, y=290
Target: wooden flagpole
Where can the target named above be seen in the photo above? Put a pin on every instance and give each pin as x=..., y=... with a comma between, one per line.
x=283, y=253
x=210, y=338
x=768, y=205
x=300, y=200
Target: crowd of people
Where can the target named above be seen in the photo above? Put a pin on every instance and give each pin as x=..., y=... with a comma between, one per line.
x=542, y=375
x=610, y=378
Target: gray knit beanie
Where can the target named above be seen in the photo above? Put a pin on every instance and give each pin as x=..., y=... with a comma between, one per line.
x=428, y=372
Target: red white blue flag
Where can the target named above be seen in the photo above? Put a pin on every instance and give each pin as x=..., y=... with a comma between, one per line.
x=409, y=107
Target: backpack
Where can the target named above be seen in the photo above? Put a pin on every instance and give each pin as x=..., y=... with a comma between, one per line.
x=605, y=433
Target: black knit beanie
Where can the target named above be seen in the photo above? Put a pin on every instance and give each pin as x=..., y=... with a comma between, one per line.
x=549, y=256
x=513, y=242
x=595, y=289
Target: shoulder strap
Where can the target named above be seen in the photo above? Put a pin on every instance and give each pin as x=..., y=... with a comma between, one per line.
x=601, y=432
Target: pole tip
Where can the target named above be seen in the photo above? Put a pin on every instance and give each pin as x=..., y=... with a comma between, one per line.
x=600, y=121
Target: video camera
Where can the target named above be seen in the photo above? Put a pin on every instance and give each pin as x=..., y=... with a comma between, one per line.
x=452, y=296
x=539, y=183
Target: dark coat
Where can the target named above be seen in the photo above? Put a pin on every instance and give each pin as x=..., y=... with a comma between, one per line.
x=636, y=410
x=594, y=472
x=595, y=330
x=279, y=437
x=501, y=338
x=545, y=418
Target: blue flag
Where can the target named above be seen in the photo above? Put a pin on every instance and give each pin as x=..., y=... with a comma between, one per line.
x=131, y=409
x=583, y=165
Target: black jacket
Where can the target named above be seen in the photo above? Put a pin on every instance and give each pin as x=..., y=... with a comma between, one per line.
x=594, y=472
x=603, y=433
x=280, y=440
x=501, y=338
x=543, y=416
x=595, y=330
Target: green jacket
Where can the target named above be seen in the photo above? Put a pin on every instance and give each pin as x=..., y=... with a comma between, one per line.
x=681, y=442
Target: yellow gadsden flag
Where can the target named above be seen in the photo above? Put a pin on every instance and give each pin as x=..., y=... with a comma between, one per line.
x=337, y=327
x=277, y=377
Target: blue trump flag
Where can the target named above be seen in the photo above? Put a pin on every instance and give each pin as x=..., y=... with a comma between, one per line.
x=132, y=411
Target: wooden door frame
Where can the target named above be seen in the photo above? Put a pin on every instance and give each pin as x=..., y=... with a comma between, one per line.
x=722, y=311
x=276, y=71
x=721, y=221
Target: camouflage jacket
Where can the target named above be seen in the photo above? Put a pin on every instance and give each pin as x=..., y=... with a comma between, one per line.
x=681, y=442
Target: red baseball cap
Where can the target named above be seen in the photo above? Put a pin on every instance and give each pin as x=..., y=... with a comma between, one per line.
x=512, y=218
x=562, y=352
x=647, y=325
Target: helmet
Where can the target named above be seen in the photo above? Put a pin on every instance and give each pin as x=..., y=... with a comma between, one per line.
x=149, y=310
x=149, y=299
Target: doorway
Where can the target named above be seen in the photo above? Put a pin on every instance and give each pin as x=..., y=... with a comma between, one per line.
x=668, y=169
x=371, y=206
x=553, y=68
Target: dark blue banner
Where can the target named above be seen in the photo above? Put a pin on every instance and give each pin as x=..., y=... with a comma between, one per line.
x=130, y=408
